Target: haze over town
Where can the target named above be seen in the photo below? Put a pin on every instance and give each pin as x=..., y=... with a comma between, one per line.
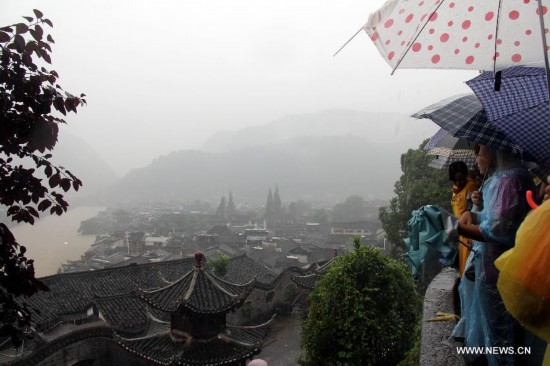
x=166, y=76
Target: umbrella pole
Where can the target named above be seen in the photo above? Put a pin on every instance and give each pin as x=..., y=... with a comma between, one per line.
x=545, y=50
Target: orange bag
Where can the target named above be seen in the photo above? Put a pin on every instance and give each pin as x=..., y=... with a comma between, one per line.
x=524, y=280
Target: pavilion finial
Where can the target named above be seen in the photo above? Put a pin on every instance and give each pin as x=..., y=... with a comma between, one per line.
x=198, y=259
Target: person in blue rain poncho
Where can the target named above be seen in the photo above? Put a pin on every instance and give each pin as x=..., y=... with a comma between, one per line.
x=503, y=205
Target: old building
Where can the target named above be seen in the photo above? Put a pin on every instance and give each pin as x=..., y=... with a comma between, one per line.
x=96, y=317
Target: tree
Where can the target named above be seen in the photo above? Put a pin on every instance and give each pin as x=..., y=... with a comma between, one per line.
x=277, y=203
x=361, y=311
x=419, y=185
x=355, y=208
x=221, y=210
x=29, y=128
x=219, y=265
x=231, y=209
x=29, y=99
x=269, y=208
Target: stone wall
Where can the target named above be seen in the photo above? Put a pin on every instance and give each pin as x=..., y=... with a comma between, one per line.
x=436, y=348
x=91, y=347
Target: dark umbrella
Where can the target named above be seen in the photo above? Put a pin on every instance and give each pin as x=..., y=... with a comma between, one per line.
x=463, y=117
x=516, y=102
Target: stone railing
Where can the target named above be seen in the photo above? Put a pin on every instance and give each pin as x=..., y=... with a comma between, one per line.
x=48, y=349
x=436, y=348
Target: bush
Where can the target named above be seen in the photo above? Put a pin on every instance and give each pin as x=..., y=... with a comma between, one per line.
x=362, y=312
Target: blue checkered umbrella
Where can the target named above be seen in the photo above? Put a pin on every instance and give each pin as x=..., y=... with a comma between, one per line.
x=463, y=117
x=520, y=106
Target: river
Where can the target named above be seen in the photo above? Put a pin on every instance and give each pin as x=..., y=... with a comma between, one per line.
x=54, y=239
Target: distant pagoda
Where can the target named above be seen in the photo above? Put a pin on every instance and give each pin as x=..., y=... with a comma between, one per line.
x=197, y=333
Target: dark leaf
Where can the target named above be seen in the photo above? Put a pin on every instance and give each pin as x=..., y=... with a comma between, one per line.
x=39, y=31
x=32, y=211
x=48, y=171
x=59, y=105
x=48, y=22
x=29, y=19
x=65, y=184
x=13, y=209
x=38, y=13
x=50, y=39
x=43, y=206
x=19, y=42
x=4, y=37
x=54, y=180
x=34, y=34
x=47, y=57
x=21, y=28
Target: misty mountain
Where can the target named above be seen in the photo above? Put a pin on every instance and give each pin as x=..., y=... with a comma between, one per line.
x=310, y=168
x=83, y=161
x=390, y=128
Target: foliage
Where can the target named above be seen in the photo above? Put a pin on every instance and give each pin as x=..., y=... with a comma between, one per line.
x=220, y=265
x=361, y=311
x=419, y=185
x=29, y=99
x=354, y=208
x=412, y=357
x=231, y=209
x=16, y=279
x=29, y=128
x=221, y=210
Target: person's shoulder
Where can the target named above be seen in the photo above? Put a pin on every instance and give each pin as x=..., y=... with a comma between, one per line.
x=470, y=185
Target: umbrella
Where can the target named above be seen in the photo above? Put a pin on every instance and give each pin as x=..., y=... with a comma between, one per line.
x=463, y=117
x=520, y=108
x=450, y=34
x=449, y=149
x=430, y=226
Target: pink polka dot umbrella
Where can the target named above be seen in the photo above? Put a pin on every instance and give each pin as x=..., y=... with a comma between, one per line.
x=460, y=34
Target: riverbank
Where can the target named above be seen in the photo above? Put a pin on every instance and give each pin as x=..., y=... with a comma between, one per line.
x=54, y=239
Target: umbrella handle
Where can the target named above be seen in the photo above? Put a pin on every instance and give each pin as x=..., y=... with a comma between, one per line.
x=530, y=201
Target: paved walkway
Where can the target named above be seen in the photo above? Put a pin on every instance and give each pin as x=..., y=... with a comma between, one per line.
x=282, y=345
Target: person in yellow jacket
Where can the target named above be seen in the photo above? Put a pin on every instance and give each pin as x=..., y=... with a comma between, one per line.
x=462, y=190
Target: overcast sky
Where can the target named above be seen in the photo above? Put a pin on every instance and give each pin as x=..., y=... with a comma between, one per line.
x=164, y=75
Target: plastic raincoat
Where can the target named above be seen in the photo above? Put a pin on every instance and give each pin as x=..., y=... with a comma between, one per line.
x=487, y=323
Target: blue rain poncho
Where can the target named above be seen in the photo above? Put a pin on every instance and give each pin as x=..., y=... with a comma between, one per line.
x=430, y=226
x=486, y=321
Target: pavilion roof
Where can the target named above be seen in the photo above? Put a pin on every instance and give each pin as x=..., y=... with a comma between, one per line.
x=232, y=346
x=200, y=291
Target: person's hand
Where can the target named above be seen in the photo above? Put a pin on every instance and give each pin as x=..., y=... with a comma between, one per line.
x=477, y=198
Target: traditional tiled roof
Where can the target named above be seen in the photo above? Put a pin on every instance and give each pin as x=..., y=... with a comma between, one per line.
x=74, y=292
x=232, y=346
x=242, y=269
x=200, y=291
x=125, y=312
x=220, y=230
x=310, y=280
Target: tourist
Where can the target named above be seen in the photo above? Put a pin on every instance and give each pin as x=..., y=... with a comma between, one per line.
x=462, y=190
x=488, y=324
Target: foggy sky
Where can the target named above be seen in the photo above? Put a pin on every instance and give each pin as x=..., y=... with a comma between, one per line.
x=163, y=76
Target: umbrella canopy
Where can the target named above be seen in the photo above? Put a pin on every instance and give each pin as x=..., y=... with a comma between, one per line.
x=430, y=226
x=450, y=34
x=463, y=117
x=448, y=149
x=520, y=108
